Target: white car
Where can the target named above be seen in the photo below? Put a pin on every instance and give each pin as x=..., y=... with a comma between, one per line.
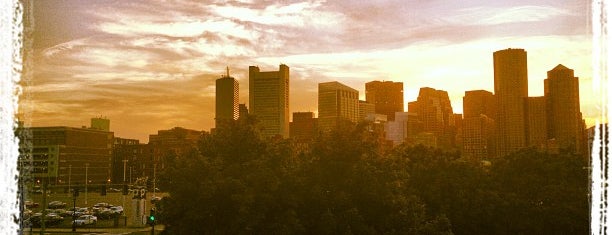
x=85, y=220
x=117, y=209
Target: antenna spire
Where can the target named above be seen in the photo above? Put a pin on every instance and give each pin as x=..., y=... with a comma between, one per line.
x=227, y=71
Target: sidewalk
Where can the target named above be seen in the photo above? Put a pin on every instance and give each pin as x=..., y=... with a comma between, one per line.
x=124, y=230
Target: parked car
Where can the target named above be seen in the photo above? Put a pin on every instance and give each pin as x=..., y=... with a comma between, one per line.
x=56, y=204
x=51, y=219
x=117, y=209
x=86, y=220
x=67, y=213
x=105, y=214
x=82, y=211
x=101, y=204
x=30, y=204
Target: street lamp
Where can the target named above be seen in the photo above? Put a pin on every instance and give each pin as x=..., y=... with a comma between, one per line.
x=75, y=194
x=86, y=181
x=124, y=164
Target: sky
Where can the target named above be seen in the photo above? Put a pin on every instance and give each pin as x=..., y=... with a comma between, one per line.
x=150, y=65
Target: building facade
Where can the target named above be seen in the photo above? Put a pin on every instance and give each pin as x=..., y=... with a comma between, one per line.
x=478, y=102
x=243, y=111
x=535, y=121
x=365, y=109
x=337, y=102
x=81, y=154
x=387, y=97
x=303, y=128
x=510, y=82
x=477, y=137
x=564, y=123
x=397, y=130
x=269, y=100
x=226, y=99
x=123, y=149
x=435, y=112
x=477, y=133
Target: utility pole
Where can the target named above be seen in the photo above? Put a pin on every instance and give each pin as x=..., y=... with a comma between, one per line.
x=69, y=176
x=154, y=170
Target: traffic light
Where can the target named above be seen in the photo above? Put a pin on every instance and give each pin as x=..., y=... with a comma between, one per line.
x=103, y=190
x=151, y=219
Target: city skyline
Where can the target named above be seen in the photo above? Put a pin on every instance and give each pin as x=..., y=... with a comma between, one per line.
x=147, y=69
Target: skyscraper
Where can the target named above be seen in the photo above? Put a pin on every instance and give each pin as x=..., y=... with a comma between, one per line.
x=535, y=121
x=434, y=110
x=226, y=99
x=269, y=100
x=510, y=80
x=563, y=108
x=387, y=97
x=478, y=102
x=478, y=138
x=477, y=130
x=337, y=102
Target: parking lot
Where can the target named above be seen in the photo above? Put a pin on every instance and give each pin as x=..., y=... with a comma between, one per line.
x=89, y=200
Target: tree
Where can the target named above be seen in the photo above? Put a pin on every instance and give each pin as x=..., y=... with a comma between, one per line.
x=240, y=183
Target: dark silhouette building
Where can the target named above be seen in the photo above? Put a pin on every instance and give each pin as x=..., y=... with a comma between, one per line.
x=434, y=111
x=122, y=150
x=565, y=124
x=510, y=81
x=303, y=128
x=477, y=131
x=226, y=99
x=243, y=111
x=269, y=100
x=387, y=97
x=535, y=121
x=478, y=102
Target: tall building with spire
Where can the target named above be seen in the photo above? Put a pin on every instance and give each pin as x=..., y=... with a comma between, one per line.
x=510, y=81
x=565, y=123
x=387, y=97
x=269, y=100
x=226, y=98
x=337, y=102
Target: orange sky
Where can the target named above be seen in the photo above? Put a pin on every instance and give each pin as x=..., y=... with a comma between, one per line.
x=151, y=65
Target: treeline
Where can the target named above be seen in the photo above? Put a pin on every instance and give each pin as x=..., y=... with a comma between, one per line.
x=239, y=183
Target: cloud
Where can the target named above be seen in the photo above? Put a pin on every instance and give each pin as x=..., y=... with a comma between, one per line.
x=150, y=65
x=497, y=15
